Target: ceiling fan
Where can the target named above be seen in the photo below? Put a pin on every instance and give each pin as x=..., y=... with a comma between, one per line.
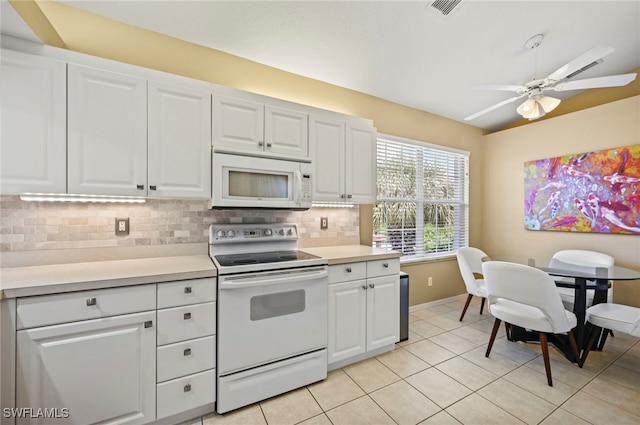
x=537, y=104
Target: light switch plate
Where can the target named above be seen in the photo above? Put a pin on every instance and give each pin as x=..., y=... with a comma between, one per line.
x=324, y=223
x=122, y=226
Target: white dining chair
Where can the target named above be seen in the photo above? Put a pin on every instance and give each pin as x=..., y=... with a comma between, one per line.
x=527, y=297
x=470, y=262
x=579, y=260
x=618, y=317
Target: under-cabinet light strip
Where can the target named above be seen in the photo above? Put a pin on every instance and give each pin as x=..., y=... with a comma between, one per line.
x=332, y=205
x=54, y=197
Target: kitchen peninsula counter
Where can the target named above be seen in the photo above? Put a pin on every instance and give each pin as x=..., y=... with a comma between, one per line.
x=340, y=254
x=57, y=278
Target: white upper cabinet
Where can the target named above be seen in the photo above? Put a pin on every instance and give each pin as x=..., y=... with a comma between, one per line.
x=107, y=125
x=251, y=127
x=360, y=164
x=179, y=131
x=344, y=160
x=238, y=124
x=33, y=132
x=133, y=137
x=285, y=132
x=327, y=141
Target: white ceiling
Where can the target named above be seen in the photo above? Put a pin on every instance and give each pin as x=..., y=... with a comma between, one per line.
x=398, y=50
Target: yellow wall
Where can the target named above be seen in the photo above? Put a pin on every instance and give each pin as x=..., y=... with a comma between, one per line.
x=611, y=125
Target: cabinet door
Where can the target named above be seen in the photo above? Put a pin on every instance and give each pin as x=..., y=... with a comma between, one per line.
x=285, y=132
x=107, y=124
x=326, y=142
x=33, y=138
x=383, y=311
x=238, y=124
x=179, y=141
x=347, y=320
x=101, y=370
x=360, y=180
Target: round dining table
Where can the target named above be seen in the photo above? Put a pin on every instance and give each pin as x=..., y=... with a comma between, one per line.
x=585, y=278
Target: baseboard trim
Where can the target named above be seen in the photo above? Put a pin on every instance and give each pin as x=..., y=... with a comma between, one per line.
x=437, y=302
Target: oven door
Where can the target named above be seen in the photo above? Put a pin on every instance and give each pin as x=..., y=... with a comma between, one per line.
x=270, y=316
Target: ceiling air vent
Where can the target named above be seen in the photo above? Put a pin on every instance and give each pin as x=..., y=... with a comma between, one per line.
x=584, y=68
x=444, y=8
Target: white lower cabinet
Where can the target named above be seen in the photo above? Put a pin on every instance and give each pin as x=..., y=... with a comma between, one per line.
x=186, y=351
x=89, y=371
x=129, y=355
x=364, y=309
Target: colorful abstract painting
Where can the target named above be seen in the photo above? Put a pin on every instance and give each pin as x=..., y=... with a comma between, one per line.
x=597, y=192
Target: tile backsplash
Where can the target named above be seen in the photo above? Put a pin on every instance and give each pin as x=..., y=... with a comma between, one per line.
x=35, y=226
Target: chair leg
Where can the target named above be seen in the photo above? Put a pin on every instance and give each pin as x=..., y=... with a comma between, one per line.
x=482, y=304
x=593, y=335
x=545, y=356
x=496, y=326
x=466, y=305
x=574, y=348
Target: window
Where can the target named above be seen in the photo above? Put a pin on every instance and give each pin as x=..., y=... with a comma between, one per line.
x=422, y=208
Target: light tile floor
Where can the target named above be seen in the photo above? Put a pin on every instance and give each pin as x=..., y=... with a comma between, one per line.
x=440, y=376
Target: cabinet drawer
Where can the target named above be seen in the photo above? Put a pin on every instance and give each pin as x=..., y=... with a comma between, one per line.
x=383, y=267
x=185, y=358
x=348, y=271
x=186, y=393
x=186, y=292
x=188, y=322
x=74, y=306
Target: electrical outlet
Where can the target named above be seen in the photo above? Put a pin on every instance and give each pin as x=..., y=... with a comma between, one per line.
x=324, y=223
x=122, y=226
x=430, y=281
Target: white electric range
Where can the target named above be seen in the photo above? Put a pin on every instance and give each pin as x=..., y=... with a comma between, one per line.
x=272, y=313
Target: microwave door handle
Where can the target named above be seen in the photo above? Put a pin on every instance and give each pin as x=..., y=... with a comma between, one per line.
x=298, y=191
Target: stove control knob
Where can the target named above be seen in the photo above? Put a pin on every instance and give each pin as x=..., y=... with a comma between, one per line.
x=268, y=232
x=281, y=232
x=220, y=234
x=230, y=233
x=289, y=232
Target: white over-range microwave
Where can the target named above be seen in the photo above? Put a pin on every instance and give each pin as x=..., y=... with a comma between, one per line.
x=240, y=181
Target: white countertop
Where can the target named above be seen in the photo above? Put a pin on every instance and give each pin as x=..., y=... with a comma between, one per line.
x=55, y=278
x=341, y=254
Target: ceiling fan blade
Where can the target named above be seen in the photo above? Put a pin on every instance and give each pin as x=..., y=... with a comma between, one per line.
x=592, y=83
x=491, y=108
x=503, y=87
x=580, y=62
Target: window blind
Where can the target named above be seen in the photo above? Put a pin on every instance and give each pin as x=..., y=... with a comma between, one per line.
x=422, y=201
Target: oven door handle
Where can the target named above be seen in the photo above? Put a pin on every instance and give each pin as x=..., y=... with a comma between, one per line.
x=271, y=278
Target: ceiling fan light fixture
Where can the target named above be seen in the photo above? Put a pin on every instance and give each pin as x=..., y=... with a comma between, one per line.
x=534, y=108
x=549, y=103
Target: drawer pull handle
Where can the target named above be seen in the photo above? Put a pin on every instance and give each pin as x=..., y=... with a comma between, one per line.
x=385, y=265
x=187, y=316
x=91, y=301
x=371, y=285
x=153, y=187
x=187, y=351
x=187, y=388
x=148, y=324
x=187, y=289
x=140, y=186
x=364, y=287
x=348, y=269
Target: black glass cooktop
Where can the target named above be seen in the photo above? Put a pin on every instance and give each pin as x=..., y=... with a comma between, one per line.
x=262, y=257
